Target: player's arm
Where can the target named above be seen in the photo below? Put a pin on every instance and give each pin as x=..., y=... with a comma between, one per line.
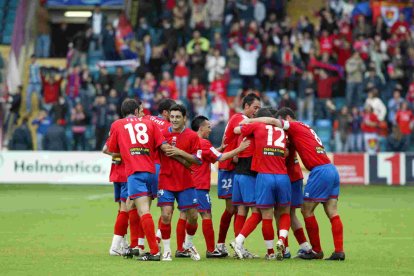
x=166, y=147
x=174, y=151
x=266, y=120
x=113, y=154
x=243, y=145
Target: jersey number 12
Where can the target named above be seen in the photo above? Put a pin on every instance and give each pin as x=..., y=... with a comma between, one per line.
x=278, y=142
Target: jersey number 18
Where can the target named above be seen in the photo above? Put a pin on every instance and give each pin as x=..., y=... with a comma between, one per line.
x=137, y=132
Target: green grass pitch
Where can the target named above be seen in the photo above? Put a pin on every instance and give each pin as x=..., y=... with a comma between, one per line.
x=67, y=230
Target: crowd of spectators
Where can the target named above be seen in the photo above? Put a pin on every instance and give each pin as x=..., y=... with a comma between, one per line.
x=348, y=70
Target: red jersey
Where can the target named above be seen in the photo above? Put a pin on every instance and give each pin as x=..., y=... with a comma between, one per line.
x=249, y=152
x=202, y=173
x=117, y=173
x=307, y=144
x=292, y=164
x=404, y=119
x=230, y=139
x=173, y=175
x=369, y=117
x=137, y=140
x=162, y=124
x=270, y=141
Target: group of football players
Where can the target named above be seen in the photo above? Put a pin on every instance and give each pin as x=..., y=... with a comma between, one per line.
x=159, y=157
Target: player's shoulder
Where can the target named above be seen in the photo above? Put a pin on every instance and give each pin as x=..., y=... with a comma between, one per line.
x=190, y=134
x=205, y=143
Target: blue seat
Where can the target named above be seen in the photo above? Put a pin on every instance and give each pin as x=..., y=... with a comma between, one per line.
x=10, y=16
x=323, y=124
x=8, y=29
x=6, y=39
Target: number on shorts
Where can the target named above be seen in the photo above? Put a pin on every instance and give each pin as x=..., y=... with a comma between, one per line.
x=278, y=142
x=316, y=137
x=140, y=135
x=226, y=183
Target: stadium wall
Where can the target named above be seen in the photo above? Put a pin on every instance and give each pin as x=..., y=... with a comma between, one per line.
x=32, y=167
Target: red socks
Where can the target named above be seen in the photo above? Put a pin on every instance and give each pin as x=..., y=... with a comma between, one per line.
x=180, y=232
x=224, y=226
x=313, y=232
x=133, y=227
x=159, y=223
x=121, y=224
x=148, y=226
x=165, y=230
x=238, y=224
x=300, y=235
x=268, y=235
x=191, y=229
x=338, y=233
x=284, y=225
x=251, y=224
x=208, y=233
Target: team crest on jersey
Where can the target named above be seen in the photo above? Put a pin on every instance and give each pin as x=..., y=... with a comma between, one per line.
x=320, y=150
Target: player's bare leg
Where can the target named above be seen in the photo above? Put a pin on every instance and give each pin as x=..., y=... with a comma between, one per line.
x=225, y=225
x=308, y=209
x=165, y=228
x=282, y=214
x=143, y=207
x=180, y=236
x=191, y=228
x=331, y=210
x=208, y=232
x=119, y=245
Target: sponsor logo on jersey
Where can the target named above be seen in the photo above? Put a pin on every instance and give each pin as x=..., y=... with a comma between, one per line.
x=139, y=151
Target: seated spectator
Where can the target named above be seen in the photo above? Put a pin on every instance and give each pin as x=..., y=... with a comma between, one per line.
x=79, y=121
x=55, y=138
x=21, y=138
x=42, y=122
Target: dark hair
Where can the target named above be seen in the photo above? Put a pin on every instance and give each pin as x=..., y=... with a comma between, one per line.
x=165, y=104
x=129, y=106
x=179, y=107
x=274, y=111
x=284, y=112
x=197, y=122
x=264, y=112
x=249, y=99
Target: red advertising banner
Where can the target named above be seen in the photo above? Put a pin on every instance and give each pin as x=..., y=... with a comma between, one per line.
x=351, y=168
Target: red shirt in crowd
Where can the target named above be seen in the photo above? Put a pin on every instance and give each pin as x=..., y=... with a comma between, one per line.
x=195, y=91
x=326, y=44
x=307, y=143
x=137, y=140
x=202, y=173
x=51, y=90
x=174, y=176
x=325, y=87
x=404, y=119
x=270, y=148
x=219, y=87
x=369, y=117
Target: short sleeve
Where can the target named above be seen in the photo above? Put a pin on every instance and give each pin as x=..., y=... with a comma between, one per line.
x=285, y=124
x=247, y=129
x=112, y=142
x=196, y=148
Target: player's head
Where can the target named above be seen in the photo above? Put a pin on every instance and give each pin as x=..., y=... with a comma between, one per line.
x=164, y=108
x=131, y=107
x=202, y=126
x=178, y=116
x=286, y=113
x=264, y=112
x=251, y=104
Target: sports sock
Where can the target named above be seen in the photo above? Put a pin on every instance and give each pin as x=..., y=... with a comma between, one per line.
x=121, y=224
x=251, y=224
x=208, y=233
x=238, y=224
x=300, y=236
x=133, y=227
x=180, y=232
x=116, y=242
x=224, y=226
x=268, y=235
x=148, y=226
x=165, y=231
x=141, y=243
x=191, y=229
x=284, y=225
x=313, y=233
x=338, y=233
x=158, y=232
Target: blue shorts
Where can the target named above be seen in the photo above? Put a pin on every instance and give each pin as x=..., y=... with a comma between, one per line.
x=204, y=201
x=273, y=190
x=139, y=184
x=186, y=199
x=323, y=184
x=225, y=184
x=244, y=190
x=154, y=181
x=297, y=194
x=120, y=191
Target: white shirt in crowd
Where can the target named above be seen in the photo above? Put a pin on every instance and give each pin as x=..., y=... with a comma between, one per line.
x=97, y=23
x=248, y=60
